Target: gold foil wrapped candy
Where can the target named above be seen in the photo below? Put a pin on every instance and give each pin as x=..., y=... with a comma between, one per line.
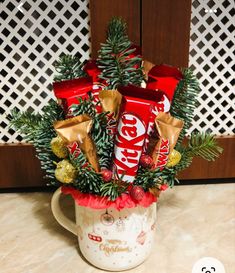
x=174, y=158
x=58, y=147
x=65, y=172
x=110, y=101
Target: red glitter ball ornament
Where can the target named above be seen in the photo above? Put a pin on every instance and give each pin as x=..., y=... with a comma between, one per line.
x=106, y=175
x=137, y=193
x=146, y=161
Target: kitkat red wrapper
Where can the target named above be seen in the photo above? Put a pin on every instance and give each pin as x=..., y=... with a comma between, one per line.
x=165, y=78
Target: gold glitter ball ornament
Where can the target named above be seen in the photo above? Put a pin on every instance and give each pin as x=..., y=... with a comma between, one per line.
x=65, y=172
x=174, y=158
x=58, y=147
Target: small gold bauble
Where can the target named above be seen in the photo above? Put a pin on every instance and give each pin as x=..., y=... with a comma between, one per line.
x=65, y=172
x=58, y=147
x=174, y=158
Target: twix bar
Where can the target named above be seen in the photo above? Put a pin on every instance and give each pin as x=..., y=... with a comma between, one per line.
x=168, y=129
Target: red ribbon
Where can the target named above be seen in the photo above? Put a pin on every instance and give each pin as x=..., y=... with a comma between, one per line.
x=165, y=78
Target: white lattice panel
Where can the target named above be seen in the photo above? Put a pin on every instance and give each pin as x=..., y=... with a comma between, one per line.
x=212, y=59
x=30, y=43
x=33, y=40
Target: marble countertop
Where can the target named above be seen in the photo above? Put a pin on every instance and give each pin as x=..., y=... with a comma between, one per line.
x=193, y=222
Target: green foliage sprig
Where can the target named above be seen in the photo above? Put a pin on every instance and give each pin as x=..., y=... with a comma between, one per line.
x=68, y=67
x=148, y=178
x=102, y=138
x=200, y=144
x=38, y=130
x=185, y=100
x=117, y=68
x=88, y=181
x=113, y=189
x=203, y=145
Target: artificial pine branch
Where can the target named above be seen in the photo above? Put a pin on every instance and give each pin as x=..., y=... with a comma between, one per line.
x=113, y=189
x=26, y=123
x=200, y=144
x=68, y=67
x=148, y=178
x=185, y=101
x=117, y=68
x=103, y=140
x=204, y=145
x=88, y=181
x=39, y=130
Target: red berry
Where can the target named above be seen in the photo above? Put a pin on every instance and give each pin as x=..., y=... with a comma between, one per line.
x=146, y=161
x=106, y=175
x=137, y=193
x=163, y=187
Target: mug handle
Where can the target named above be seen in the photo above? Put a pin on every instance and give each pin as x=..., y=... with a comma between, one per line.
x=59, y=215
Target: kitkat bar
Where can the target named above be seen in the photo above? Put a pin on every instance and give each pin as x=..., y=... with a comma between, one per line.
x=69, y=91
x=131, y=130
x=165, y=78
x=168, y=128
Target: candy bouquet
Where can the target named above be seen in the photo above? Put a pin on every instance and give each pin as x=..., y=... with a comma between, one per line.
x=114, y=136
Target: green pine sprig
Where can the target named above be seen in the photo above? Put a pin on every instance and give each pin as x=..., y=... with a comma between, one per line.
x=104, y=142
x=203, y=145
x=185, y=100
x=88, y=181
x=116, y=66
x=113, y=189
x=38, y=129
x=148, y=178
x=68, y=67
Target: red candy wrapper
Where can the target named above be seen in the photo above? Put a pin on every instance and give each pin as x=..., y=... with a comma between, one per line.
x=165, y=78
x=74, y=149
x=92, y=70
x=70, y=90
x=161, y=106
x=132, y=128
x=168, y=129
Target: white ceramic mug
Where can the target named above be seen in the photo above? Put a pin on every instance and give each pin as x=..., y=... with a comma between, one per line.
x=111, y=239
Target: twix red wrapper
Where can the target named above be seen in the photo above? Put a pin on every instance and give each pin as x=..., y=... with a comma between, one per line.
x=70, y=91
x=110, y=101
x=131, y=130
x=77, y=130
x=168, y=129
x=158, y=106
